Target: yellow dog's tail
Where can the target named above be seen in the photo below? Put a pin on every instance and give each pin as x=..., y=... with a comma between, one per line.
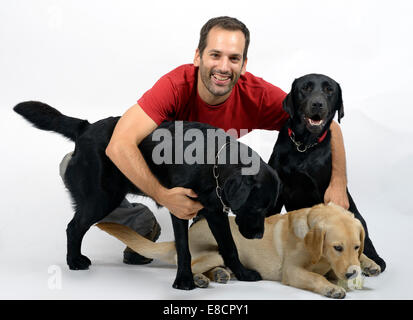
x=164, y=251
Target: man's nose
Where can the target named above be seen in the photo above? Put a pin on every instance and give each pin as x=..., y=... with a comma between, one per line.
x=224, y=65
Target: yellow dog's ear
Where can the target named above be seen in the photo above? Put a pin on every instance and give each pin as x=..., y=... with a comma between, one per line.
x=314, y=242
x=362, y=236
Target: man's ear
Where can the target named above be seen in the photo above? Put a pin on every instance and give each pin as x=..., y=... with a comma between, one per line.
x=288, y=103
x=236, y=190
x=314, y=242
x=197, y=58
x=244, y=66
x=339, y=104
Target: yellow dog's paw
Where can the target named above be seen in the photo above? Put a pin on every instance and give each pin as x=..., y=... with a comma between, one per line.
x=220, y=275
x=369, y=267
x=201, y=281
x=334, y=292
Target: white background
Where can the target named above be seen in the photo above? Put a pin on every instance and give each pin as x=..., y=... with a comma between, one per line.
x=93, y=59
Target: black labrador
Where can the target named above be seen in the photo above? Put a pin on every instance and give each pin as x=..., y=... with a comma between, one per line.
x=302, y=152
x=97, y=186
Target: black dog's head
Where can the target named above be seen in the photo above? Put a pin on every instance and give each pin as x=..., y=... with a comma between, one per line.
x=251, y=197
x=313, y=101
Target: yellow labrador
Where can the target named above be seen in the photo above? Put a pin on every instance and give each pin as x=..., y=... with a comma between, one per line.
x=298, y=248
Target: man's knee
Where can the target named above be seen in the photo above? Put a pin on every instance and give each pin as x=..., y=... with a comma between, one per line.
x=63, y=165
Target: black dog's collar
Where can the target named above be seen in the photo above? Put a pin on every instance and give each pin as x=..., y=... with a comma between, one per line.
x=300, y=144
x=226, y=209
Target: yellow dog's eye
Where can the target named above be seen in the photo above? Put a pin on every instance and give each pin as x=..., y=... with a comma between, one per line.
x=338, y=248
x=356, y=247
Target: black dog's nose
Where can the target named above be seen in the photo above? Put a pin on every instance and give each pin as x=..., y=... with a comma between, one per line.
x=317, y=104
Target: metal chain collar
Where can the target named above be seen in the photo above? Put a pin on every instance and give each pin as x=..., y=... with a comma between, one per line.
x=299, y=144
x=218, y=189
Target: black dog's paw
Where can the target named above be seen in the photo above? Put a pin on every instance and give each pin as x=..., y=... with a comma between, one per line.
x=184, y=283
x=381, y=263
x=247, y=275
x=79, y=263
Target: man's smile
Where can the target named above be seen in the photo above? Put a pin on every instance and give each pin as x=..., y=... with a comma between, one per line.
x=221, y=79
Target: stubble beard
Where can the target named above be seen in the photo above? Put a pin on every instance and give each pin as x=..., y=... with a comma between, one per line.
x=214, y=89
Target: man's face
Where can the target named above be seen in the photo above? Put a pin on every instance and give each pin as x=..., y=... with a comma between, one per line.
x=220, y=65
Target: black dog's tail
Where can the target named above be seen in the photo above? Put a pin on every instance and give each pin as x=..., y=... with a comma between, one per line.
x=45, y=117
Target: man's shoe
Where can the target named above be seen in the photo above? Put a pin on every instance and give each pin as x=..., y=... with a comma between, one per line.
x=132, y=257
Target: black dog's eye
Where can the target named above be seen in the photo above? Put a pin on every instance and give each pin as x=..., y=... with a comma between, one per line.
x=338, y=248
x=327, y=88
x=307, y=87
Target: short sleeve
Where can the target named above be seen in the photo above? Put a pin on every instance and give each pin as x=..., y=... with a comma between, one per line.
x=159, y=102
x=272, y=115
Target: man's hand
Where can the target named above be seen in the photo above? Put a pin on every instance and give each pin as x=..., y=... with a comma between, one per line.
x=178, y=203
x=337, y=193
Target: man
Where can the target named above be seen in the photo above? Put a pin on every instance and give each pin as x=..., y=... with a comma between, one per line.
x=217, y=90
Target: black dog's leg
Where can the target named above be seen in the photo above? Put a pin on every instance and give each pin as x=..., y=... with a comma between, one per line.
x=369, y=249
x=75, y=232
x=277, y=208
x=88, y=212
x=219, y=225
x=184, y=279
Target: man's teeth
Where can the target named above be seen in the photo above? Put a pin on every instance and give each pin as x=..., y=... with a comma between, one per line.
x=220, y=78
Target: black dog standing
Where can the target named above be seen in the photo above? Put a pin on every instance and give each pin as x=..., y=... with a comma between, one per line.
x=97, y=187
x=302, y=153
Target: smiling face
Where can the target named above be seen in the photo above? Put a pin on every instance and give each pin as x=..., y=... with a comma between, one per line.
x=313, y=101
x=221, y=64
x=317, y=94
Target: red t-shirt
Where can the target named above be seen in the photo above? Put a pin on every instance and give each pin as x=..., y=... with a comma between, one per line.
x=252, y=104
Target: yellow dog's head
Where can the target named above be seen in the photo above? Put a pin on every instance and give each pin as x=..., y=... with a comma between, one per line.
x=335, y=235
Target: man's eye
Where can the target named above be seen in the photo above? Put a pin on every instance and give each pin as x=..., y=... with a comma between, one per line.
x=338, y=248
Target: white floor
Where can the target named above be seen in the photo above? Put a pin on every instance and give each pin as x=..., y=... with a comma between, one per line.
x=36, y=209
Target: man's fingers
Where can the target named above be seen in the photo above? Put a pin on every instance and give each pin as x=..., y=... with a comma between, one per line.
x=182, y=203
x=190, y=193
x=185, y=216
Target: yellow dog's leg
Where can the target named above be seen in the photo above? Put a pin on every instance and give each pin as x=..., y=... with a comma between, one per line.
x=303, y=279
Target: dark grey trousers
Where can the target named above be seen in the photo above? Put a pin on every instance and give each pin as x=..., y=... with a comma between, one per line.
x=134, y=215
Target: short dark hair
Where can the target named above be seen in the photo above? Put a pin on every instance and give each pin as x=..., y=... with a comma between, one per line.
x=226, y=23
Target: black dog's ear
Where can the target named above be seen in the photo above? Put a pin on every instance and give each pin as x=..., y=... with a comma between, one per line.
x=288, y=102
x=236, y=190
x=339, y=104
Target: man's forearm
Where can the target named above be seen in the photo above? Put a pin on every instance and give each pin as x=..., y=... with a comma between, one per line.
x=338, y=155
x=337, y=189
x=131, y=163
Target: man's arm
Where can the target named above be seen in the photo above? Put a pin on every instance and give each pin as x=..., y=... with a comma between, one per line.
x=123, y=150
x=337, y=189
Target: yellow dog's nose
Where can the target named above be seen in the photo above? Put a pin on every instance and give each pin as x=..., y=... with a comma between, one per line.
x=352, y=272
